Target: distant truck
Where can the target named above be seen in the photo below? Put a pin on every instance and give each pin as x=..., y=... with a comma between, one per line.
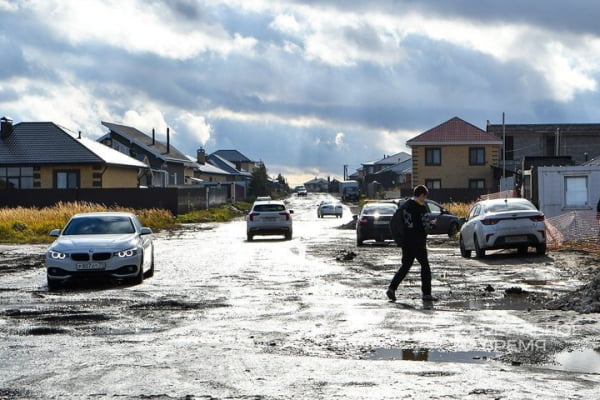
x=349, y=190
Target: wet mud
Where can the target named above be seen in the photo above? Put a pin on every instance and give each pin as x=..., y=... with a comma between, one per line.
x=301, y=319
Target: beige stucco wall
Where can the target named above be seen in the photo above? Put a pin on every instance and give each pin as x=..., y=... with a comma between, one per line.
x=119, y=177
x=454, y=171
x=112, y=177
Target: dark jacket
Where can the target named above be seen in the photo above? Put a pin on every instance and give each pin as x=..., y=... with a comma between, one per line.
x=416, y=224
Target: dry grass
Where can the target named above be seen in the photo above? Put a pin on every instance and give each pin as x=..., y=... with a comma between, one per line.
x=459, y=209
x=31, y=225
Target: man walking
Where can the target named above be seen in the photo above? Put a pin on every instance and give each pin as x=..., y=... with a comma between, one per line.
x=413, y=242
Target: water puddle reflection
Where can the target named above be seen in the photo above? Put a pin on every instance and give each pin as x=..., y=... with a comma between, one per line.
x=585, y=361
x=431, y=355
x=517, y=303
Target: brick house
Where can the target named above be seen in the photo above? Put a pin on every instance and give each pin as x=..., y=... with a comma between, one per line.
x=455, y=155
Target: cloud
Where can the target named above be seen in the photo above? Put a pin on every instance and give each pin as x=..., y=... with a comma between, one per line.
x=301, y=85
x=196, y=126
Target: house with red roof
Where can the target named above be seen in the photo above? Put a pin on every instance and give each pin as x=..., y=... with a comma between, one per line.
x=455, y=155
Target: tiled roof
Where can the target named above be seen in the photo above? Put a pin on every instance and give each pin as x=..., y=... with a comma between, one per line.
x=454, y=131
x=233, y=156
x=226, y=166
x=158, y=149
x=39, y=143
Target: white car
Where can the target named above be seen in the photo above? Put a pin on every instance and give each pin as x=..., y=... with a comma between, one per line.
x=269, y=218
x=503, y=224
x=100, y=244
x=329, y=208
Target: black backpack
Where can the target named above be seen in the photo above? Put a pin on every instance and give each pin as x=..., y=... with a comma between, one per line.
x=397, y=226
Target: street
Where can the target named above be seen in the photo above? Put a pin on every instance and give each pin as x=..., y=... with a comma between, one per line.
x=307, y=318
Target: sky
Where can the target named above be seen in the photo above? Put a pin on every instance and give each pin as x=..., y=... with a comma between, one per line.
x=304, y=86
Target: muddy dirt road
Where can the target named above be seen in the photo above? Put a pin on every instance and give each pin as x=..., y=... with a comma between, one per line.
x=224, y=318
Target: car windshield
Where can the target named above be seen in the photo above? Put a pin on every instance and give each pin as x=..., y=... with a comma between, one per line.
x=99, y=226
x=269, y=207
x=508, y=206
x=380, y=209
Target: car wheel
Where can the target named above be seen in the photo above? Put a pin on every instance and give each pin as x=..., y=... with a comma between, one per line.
x=540, y=249
x=150, y=272
x=359, y=241
x=288, y=236
x=453, y=230
x=139, y=278
x=522, y=250
x=463, y=251
x=479, y=252
x=250, y=237
x=53, y=285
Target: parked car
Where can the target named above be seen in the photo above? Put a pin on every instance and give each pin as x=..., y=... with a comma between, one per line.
x=445, y=221
x=269, y=218
x=503, y=224
x=329, y=207
x=100, y=244
x=373, y=222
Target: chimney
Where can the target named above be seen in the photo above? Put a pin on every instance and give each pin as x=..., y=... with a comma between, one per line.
x=153, y=137
x=201, y=156
x=168, y=141
x=6, y=127
x=79, y=135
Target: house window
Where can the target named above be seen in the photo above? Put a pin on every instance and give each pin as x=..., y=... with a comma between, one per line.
x=433, y=183
x=16, y=178
x=476, y=183
x=433, y=156
x=576, y=191
x=477, y=156
x=66, y=179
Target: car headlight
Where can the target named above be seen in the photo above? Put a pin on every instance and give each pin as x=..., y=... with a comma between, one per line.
x=126, y=253
x=57, y=255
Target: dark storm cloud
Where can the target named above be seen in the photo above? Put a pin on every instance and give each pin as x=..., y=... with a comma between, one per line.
x=576, y=16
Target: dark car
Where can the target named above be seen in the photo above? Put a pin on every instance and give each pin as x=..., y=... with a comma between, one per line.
x=445, y=222
x=373, y=222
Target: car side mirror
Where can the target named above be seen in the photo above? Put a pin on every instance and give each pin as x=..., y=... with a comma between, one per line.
x=291, y=211
x=146, y=231
x=54, y=232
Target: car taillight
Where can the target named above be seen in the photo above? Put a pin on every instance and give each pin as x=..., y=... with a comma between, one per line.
x=363, y=220
x=490, y=221
x=252, y=215
x=537, y=218
x=287, y=215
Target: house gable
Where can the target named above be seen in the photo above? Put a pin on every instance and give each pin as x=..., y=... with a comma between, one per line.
x=455, y=155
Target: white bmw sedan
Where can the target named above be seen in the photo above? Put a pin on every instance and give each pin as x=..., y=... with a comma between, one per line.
x=503, y=224
x=100, y=245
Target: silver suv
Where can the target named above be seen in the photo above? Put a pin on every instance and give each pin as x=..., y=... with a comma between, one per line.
x=269, y=218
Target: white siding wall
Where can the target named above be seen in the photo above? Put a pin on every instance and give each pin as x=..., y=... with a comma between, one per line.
x=552, y=190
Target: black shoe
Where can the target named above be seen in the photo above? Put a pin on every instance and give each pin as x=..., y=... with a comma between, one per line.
x=391, y=294
x=428, y=297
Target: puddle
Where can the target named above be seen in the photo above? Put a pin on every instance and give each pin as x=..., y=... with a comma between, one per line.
x=536, y=282
x=431, y=355
x=516, y=303
x=585, y=361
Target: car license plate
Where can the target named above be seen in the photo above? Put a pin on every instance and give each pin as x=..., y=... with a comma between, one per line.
x=382, y=222
x=90, y=266
x=270, y=219
x=515, y=239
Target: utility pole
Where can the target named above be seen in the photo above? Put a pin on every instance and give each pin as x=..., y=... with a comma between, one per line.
x=503, y=151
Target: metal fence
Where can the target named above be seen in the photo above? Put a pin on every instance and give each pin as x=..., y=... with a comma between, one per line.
x=575, y=229
x=178, y=200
